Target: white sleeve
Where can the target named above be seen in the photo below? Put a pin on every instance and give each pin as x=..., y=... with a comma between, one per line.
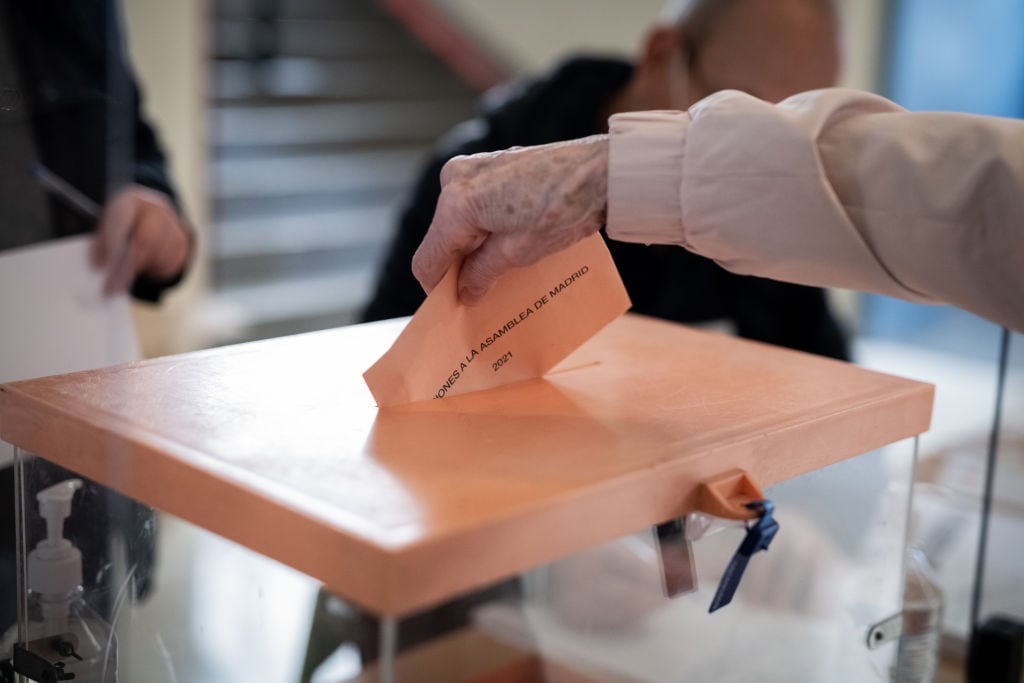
x=834, y=188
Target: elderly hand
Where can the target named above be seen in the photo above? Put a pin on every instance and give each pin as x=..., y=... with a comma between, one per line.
x=140, y=233
x=509, y=209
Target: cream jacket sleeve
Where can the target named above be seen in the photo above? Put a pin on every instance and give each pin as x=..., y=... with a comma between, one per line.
x=834, y=188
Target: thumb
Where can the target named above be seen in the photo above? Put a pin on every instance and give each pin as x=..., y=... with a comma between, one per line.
x=452, y=234
x=114, y=229
x=482, y=268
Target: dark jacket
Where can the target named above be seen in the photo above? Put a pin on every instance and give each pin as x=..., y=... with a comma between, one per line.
x=69, y=101
x=663, y=281
x=70, y=91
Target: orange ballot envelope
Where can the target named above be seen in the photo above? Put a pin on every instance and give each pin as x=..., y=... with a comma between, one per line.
x=532, y=318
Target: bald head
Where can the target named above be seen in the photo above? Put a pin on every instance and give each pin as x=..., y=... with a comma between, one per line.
x=769, y=48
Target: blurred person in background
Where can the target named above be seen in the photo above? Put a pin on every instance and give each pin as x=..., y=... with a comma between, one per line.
x=769, y=48
x=70, y=116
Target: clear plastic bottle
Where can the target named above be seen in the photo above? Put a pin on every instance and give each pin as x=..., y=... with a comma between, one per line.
x=918, y=655
x=61, y=625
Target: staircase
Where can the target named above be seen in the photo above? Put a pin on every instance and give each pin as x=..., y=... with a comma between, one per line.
x=321, y=112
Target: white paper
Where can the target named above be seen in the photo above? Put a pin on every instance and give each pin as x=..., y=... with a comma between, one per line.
x=54, y=317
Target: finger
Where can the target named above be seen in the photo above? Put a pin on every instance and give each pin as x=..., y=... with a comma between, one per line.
x=482, y=268
x=452, y=169
x=466, y=165
x=111, y=242
x=451, y=235
x=114, y=228
x=159, y=243
x=433, y=258
x=120, y=269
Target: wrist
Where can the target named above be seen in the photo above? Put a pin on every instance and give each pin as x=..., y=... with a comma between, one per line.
x=645, y=154
x=585, y=182
x=596, y=169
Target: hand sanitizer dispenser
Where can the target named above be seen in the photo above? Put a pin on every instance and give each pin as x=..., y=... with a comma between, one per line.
x=55, y=565
x=67, y=639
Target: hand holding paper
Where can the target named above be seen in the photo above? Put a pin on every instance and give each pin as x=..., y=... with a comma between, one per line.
x=140, y=233
x=532, y=319
x=508, y=209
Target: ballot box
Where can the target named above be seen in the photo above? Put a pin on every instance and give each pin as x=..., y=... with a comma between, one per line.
x=576, y=527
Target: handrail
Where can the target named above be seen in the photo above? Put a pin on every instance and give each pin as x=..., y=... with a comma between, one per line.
x=448, y=42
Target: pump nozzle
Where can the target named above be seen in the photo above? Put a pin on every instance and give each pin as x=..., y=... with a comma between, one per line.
x=55, y=507
x=55, y=566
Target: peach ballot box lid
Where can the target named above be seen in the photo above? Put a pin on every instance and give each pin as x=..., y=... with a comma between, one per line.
x=279, y=446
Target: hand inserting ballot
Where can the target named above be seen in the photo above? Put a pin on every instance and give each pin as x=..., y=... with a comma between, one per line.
x=813, y=190
x=504, y=210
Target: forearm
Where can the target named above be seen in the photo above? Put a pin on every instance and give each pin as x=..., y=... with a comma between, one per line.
x=834, y=188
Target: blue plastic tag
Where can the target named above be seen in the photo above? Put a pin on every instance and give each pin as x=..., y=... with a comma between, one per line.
x=759, y=535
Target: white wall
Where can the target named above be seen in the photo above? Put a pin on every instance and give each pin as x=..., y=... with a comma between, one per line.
x=168, y=48
x=530, y=34
x=862, y=22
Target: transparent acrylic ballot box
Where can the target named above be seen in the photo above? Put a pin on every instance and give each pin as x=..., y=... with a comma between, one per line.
x=526, y=533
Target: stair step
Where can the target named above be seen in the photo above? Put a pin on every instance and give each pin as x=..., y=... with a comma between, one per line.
x=342, y=293
x=363, y=171
x=290, y=266
x=259, y=152
x=275, y=206
x=297, y=325
x=299, y=9
x=361, y=78
x=337, y=122
x=249, y=38
x=305, y=232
